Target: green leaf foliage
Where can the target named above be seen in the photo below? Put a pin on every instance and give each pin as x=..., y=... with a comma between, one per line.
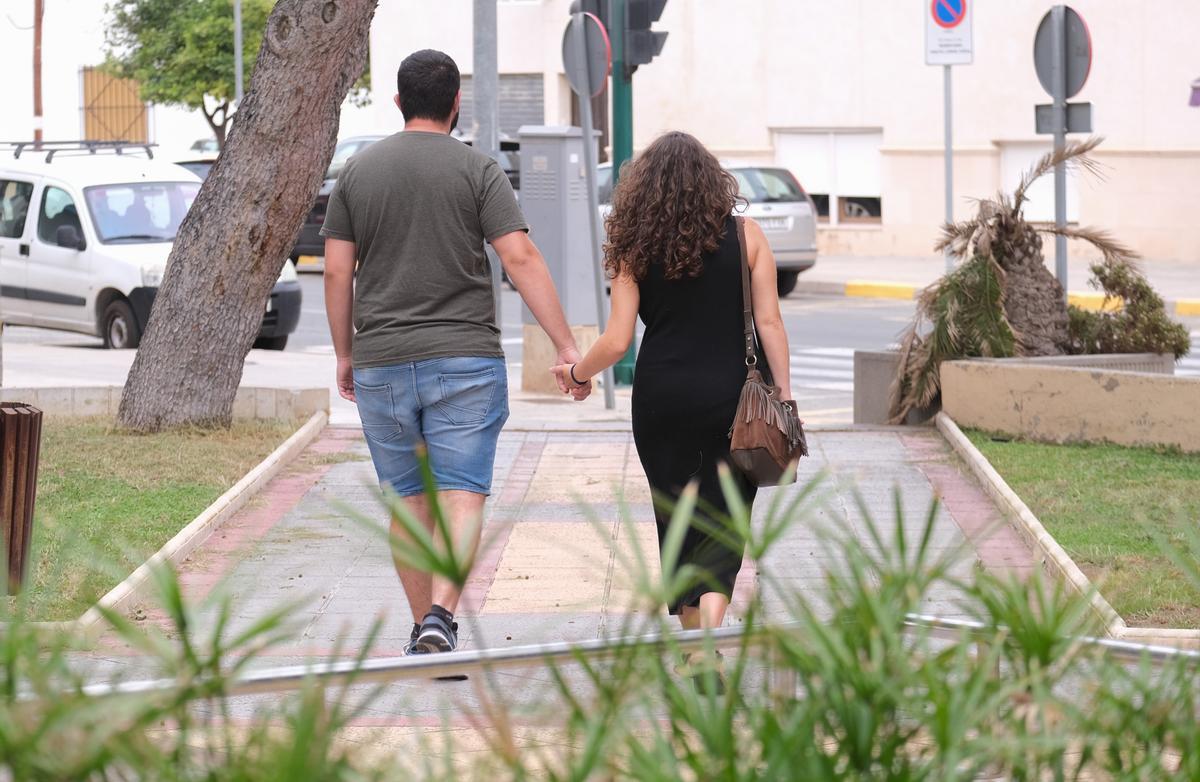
x=959, y=316
x=1141, y=325
x=181, y=51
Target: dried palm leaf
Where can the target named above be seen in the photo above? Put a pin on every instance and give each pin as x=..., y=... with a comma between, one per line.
x=1074, y=154
x=1113, y=251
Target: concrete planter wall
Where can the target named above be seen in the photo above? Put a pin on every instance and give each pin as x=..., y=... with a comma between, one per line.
x=874, y=371
x=1069, y=405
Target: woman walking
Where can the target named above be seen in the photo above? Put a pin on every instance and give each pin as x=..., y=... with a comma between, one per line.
x=674, y=257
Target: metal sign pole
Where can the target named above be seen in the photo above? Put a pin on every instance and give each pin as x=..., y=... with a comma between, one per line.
x=486, y=83
x=578, y=22
x=237, y=54
x=1059, y=96
x=949, y=118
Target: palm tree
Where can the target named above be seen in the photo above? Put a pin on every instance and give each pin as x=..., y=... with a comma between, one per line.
x=1001, y=300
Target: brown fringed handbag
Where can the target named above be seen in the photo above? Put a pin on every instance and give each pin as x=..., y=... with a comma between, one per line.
x=767, y=434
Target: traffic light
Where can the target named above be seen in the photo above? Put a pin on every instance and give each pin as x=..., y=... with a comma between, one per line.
x=598, y=8
x=641, y=43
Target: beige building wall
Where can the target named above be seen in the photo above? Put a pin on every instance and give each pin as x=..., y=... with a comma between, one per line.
x=741, y=74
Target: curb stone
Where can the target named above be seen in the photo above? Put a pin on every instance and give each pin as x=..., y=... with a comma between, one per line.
x=1055, y=558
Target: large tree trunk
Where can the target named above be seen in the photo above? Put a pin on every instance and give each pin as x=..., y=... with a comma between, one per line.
x=241, y=228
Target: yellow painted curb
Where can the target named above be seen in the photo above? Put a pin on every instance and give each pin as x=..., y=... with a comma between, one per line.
x=880, y=290
x=1187, y=307
x=1095, y=302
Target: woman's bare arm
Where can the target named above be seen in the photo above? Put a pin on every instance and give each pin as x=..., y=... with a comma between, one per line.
x=767, y=318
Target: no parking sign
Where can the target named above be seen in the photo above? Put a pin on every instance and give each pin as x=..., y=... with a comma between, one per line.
x=948, y=32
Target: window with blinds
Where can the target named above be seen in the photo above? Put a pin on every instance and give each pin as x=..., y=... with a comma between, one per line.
x=840, y=169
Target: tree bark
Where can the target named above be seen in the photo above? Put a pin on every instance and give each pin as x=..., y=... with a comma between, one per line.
x=240, y=230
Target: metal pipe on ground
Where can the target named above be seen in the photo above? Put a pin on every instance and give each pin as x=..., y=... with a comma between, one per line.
x=390, y=669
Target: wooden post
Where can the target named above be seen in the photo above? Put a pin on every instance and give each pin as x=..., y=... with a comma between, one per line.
x=38, y=10
x=20, y=444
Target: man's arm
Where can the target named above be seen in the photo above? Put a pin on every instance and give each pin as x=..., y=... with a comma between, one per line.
x=340, y=257
x=527, y=269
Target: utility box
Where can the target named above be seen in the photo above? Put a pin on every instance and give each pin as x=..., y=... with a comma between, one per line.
x=555, y=203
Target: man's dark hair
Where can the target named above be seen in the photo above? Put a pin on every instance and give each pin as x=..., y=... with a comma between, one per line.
x=427, y=82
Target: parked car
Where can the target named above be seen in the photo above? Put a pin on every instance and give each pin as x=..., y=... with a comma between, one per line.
x=199, y=164
x=204, y=145
x=778, y=203
x=787, y=216
x=85, y=238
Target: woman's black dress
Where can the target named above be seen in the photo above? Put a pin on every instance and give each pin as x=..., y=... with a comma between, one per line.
x=686, y=385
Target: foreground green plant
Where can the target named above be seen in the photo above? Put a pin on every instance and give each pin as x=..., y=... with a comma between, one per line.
x=825, y=683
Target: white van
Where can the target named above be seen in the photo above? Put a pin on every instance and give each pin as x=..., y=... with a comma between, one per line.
x=85, y=232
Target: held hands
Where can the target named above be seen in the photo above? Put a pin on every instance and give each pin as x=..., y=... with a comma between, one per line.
x=562, y=374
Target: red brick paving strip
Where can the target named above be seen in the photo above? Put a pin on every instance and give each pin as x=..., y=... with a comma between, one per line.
x=998, y=546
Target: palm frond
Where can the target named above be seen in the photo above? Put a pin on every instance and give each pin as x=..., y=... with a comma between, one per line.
x=965, y=314
x=1075, y=154
x=1113, y=251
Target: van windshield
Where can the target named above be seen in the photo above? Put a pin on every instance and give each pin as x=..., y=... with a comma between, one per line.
x=141, y=211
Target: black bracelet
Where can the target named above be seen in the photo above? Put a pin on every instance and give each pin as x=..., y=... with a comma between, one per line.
x=574, y=379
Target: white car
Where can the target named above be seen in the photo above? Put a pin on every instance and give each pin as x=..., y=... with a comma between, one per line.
x=85, y=234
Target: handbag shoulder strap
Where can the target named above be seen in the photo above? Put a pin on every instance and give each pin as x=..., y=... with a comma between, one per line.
x=747, y=301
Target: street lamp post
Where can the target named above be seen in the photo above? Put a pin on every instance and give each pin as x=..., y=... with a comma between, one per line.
x=237, y=51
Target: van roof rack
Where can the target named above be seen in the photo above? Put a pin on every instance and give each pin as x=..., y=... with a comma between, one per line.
x=91, y=147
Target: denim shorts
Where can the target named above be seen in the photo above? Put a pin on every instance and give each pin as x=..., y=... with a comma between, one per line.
x=454, y=407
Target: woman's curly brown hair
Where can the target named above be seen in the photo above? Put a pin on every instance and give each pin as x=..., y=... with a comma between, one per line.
x=670, y=207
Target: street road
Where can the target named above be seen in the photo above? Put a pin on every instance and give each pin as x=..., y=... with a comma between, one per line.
x=824, y=332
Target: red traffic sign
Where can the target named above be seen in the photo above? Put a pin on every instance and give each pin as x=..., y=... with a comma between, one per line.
x=587, y=54
x=1076, y=47
x=948, y=14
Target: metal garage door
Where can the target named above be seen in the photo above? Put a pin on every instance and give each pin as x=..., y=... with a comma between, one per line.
x=521, y=102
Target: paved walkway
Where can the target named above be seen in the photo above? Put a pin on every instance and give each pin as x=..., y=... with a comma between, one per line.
x=553, y=567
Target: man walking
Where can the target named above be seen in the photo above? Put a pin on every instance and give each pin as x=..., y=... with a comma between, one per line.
x=422, y=357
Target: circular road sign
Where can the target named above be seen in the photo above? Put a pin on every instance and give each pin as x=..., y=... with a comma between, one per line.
x=948, y=13
x=587, y=59
x=1078, y=49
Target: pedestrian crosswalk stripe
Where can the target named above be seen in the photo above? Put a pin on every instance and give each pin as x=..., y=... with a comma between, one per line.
x=1188, y=366
x=846, y=352
x=821, y=360
x=805, y=371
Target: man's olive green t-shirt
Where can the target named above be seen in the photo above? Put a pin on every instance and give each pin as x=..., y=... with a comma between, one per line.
x=418, y=207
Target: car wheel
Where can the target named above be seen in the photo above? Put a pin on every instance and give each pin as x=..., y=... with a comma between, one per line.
x=787, y=282
x=119, y=327
x=271, y=343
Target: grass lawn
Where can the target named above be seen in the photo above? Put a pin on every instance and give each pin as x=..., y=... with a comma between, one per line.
x=108, y=500
x=1099, y=502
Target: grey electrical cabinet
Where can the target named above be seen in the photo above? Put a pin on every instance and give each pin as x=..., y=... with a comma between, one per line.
x=554, y=200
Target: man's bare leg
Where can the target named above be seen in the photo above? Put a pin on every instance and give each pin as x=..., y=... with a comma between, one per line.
x=463, y=511
x=417, y=584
